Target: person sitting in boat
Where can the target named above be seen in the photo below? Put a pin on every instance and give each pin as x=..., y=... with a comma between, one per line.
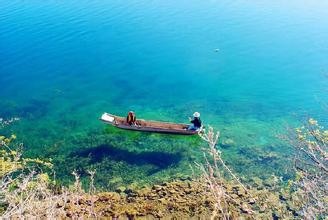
x=196, y=122
x=131, y=118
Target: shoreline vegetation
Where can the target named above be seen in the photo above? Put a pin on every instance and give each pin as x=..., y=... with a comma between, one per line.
x=29, y=189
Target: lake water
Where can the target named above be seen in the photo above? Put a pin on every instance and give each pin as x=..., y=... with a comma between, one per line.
x=64, y=63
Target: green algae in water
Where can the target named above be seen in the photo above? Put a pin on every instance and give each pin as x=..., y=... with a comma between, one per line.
x=131, y=157
x=123, y=157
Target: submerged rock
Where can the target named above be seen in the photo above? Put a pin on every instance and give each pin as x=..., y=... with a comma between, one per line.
x=271, y=181
x=251, y=201
x=269, y=156
x=108, y=196
x=120, y=189
x=258, y=183
x=227, y=143
x=183, y=200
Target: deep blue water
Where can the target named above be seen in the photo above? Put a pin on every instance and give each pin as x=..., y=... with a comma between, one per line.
x=63, y=63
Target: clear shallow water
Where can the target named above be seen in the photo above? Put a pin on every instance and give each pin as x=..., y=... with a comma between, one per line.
x=64, y=63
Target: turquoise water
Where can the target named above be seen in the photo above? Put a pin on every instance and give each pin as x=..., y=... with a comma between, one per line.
x=64, y=63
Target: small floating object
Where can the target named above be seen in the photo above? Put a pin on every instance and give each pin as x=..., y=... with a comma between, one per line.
x=149, y=126
x=217, y=50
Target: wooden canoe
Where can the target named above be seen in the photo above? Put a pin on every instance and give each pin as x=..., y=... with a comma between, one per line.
x=150, y=126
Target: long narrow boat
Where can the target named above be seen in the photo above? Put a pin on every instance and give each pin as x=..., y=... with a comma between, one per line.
x=150, y=126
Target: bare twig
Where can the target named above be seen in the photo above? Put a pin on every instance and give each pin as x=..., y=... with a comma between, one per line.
x=212, y=174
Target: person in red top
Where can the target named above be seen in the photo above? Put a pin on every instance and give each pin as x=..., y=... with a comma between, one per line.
x=131, y=118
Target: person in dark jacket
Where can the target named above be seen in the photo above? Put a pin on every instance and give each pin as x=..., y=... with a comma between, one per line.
x=196, y=122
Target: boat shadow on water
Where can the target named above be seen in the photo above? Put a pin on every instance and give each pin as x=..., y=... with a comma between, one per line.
x=161, y=160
